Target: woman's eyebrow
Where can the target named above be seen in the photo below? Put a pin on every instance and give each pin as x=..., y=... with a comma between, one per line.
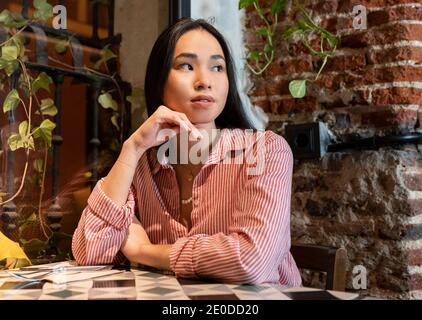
x=195, y=56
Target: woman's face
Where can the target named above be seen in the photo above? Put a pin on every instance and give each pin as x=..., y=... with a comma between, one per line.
x=197, y=84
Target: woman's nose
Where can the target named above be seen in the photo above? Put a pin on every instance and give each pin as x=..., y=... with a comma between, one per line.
x=202, y=81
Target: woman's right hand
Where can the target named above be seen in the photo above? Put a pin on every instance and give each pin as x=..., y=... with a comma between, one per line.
x=149, y=134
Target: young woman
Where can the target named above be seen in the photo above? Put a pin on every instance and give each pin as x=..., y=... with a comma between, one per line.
x=210, y=218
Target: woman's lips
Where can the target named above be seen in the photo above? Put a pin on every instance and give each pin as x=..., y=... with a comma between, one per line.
x=202, y=104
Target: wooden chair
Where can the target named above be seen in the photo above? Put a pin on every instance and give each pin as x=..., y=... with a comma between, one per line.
x=331, y=260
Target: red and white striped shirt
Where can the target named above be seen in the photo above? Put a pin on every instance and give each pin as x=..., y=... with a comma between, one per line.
x=240, y=221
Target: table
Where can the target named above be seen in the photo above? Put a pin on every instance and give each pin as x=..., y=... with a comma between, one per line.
x=134, y=283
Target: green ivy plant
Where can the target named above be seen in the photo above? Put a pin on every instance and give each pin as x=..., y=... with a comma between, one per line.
x=36, y=135
x=304, y=27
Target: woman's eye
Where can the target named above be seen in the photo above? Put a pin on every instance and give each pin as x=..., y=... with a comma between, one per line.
x=218, y=68
x=185, y=66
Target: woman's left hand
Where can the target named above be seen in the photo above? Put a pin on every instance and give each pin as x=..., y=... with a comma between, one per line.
x=137, y=237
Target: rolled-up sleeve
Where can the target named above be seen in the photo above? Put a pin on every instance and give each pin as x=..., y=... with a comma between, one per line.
x=102, y=228
x=257, y=247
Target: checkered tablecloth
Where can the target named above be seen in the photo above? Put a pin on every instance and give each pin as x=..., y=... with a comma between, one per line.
x=134, y=283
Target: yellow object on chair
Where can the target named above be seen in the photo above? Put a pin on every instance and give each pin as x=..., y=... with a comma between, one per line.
x=12, y=253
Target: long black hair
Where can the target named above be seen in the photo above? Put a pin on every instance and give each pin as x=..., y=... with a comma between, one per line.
x=160, y=62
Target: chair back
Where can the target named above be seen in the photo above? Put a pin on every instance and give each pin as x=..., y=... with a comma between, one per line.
x=331, y=260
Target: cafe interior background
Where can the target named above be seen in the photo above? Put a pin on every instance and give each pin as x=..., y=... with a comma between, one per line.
x=355, y=133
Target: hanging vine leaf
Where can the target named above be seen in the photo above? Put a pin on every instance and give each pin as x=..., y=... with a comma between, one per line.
x=43, y=81
x=34, y=247
x=23, y=128
x=8, y=66
x=48, y=108
x=43, y=10
x=9, y=52
x=61, y=45
x=12, y=19
x=115, y=120
x=15, y=142
x=137, y=97
x=45, y=131
x=297, y=88
x=38, y=165
x=11, y=102
x=107, y=101
x=278, y=6
x=246, y=3
x=106, y=54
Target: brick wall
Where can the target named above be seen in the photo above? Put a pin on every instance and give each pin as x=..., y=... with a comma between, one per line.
x=367, y=201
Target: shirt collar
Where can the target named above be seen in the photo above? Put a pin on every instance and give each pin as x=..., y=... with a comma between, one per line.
x=230, y=141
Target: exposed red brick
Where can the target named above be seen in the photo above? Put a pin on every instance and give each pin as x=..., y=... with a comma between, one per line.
x=413, y=181
x=258, y=89
x=273, y=88
x=330, y=81
x=337, y=23
x=394, y=54
x=415, y=206
x=273, y=70
x=296, y=65
x=306, y=104
x=376, y=18
x=264, y=104
x=384, y=35
x=298, y=48
x=415, y=257
x=396, y=95
x=415, y=282
x=347, y=5
x=346, y=62
x=251, y=38
x=389, y=118
x=382, y=75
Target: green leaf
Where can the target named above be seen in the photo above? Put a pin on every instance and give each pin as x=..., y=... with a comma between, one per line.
x=14, y=142
x=246, y=3
x=332, y=40
x=23, y=128
x=29, y=222
x=137, y=97
x=297, y=88
x=10, y=67
x=34, y=247
x=61, y=45
x=18, y=41
x=12, y=19
x=254, y=55
x=6, y=17
x=39, y=165
x=303, y=25
x=106, y=54
x=107, y=101
x=43, y=10
x=290, y=31
x=11, y=102
x=278, y=6
x=268, y=48
x=43, y=81
x=9, y=52
x=115, y=120
x=45, y=131
x=47, y=108
x=262, y=32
